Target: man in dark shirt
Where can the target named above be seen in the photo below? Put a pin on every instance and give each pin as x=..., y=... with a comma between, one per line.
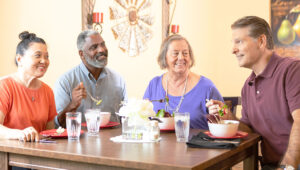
x=270, y=95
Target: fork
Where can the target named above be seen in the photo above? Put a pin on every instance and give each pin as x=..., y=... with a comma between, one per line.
x=220, y=141
x=218, y=119
x=159, y=100
x=46, y=139
x=94, y=99
x=155, y=118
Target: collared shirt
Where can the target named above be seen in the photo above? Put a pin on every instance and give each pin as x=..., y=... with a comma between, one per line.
x=110, y=88
x=268, y=100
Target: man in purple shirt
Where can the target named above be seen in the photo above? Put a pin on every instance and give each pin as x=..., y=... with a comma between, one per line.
x=271, y=94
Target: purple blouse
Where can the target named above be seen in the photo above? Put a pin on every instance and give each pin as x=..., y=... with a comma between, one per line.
x=193, y=102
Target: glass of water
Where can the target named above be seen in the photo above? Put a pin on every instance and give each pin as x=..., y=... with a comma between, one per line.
x=182, y=126
x=92, y=117
x=73, y=121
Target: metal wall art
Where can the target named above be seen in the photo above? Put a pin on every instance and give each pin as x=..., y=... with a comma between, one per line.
x=132, y=24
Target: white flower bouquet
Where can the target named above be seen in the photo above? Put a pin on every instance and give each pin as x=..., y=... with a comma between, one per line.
x=137, y=109
x=135, y=113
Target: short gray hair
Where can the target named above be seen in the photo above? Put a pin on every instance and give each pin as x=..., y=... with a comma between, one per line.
x=161, y=59
x=81, y=39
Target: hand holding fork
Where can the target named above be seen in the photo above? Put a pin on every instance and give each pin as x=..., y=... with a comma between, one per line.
x=98, y=102
x=213, y=109
x=79, y=93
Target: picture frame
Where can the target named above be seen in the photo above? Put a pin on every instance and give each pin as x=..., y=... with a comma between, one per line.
x=285, y=25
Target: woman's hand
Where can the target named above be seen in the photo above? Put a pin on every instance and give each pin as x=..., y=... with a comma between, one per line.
x=28, y=135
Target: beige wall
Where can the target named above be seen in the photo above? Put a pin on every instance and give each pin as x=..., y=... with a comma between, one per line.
x=205, y=23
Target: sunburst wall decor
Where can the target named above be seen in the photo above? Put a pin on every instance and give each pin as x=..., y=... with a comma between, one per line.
x=132, y=24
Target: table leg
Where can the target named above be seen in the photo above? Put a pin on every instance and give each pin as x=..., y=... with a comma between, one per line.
x=4, y=161
x=251, y=163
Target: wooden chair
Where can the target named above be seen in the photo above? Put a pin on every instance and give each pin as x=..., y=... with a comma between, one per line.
x=232, y=102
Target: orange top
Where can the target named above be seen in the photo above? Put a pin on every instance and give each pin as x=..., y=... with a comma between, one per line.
x=25, y=107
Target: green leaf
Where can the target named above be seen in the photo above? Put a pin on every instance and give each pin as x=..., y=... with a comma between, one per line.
x=167, y=99
x=160, y=113
x=221, y=112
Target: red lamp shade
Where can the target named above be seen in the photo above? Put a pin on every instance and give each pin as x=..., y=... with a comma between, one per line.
x=97, y=17
x=175, y=29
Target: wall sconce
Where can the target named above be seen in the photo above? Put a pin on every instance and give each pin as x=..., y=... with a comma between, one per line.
x=175, y=29
x=97, y=21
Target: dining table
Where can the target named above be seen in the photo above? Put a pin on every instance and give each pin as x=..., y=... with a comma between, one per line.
x=99, y=152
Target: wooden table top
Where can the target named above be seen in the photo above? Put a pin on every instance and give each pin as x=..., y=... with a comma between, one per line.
x=166, y=154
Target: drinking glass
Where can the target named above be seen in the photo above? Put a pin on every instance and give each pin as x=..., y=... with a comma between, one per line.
x=73, y=121
x=182, y=126
x=92, y=117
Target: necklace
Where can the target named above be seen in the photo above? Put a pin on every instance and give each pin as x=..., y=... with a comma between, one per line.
x=17, y=79
x=182, y=96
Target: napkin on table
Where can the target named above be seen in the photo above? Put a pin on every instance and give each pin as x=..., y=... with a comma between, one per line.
x=119, y=139
x=202, y=140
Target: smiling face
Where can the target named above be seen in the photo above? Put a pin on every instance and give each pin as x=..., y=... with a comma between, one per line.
x=245, y=48
x=35, y=60
x=94, y=53
x=178, y=57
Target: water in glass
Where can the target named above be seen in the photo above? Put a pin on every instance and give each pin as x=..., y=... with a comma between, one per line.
x=73, y=122
x=182, y=126
x=92, y=118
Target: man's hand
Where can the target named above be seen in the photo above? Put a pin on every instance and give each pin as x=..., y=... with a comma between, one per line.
x=78, y=94
x=292, y=155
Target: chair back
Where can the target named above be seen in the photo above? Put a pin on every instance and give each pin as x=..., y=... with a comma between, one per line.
x=232, y=102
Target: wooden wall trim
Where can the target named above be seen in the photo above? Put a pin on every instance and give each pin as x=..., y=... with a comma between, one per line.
x=87, y=8
x=165, y=18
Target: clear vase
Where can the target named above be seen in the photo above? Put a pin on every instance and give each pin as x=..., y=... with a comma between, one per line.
x=132, y=129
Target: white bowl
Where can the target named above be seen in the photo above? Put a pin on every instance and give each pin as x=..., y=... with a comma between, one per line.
x=104, y=118
x=226, y=129
x=167, y=123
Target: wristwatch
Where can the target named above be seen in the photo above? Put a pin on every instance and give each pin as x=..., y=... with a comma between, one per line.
x=287, y=167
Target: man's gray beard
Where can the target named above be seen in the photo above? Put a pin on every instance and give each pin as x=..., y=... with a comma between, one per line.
x=96, y=63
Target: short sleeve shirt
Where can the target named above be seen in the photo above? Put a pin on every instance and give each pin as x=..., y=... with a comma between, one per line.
x=24, y=107
x=268, y=100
